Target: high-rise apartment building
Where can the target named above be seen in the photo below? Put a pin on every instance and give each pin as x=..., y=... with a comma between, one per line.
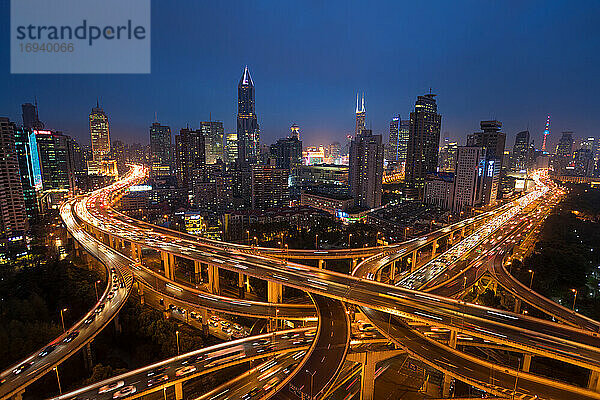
x=99, y=133
x=13, y=219
x=231, y=147
x=469, y=178
x=161, y=150
x=270, y=187
x=521, y=151
x=361, y=115
x=365, y=174
x=423, y=141
x=29, y=169
x=565, y=145
x=447, y=156
x=30, y=116
x=288, y=151
x=248, y=133
x=189, y=154
x=53, y=150
x=213, y=140
x=493, y=141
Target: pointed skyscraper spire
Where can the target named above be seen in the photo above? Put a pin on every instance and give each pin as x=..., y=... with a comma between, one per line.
x=357, y=110
x=246, y=78
x=363, y=103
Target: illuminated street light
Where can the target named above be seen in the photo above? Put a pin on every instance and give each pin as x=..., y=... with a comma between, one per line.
x=574, y=297
x=177, y=336
x=62, y=319
x=531, y=281
x=96, y=288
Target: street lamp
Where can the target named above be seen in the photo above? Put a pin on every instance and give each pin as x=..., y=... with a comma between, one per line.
x=286, y=250
x=58, y=380
x=317, y=241
x=248, y=233
x=406, y=232
x=431, y=225
x=256, y=241
x=312, y=374
x=574, y=297
x=62, y=318
x=349, y=239
x=177, y=336
x=96, y=288
x=531, y=281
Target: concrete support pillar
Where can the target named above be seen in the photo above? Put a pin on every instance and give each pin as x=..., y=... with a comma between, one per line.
x=378, y=277
x=367, y=379
x=446, y=386
x=393, y=271
x=517, y=308
x=168, y=262
x=594, y=381
x=87, y=357
x=198, y=271
x=450, y=239
x=274, y=292
x=136, y=252
x=413, y=261
x=321, y=264
x=526, y=362
x=241, y=285
x=213, y=279
x=141, y=293
x=452, y=339
x=178, y=391
x=204, y=313
x=18, y=396
x=434, y=247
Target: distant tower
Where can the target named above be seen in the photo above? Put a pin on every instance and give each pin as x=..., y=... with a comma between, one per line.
x=99, y=132
x=546, y=133
x=361, y=115
x=248, y=134
x=295, y=131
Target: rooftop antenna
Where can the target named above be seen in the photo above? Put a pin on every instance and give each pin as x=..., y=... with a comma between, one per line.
x=97, y=103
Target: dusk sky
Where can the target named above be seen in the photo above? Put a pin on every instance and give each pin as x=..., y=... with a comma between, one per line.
x=515, y=61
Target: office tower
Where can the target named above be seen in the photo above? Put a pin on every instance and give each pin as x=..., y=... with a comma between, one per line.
x=365, y=175
x=521, y=152
x=231, y=147
x=118, y=153
x=53, y=150
x=546, y=135
x=161, y=150
x=270, y=187
x=392, y=147
x=493, y=140
x=288, y=151
x=583, y=163
x=565, y=145
x=189, y=154
x=99, y=132
x=335, y=152
x=212, y=188
x=588, y=144
x=213, y=140
x=29, y=169
x=247, y=124
x=469, y=178
x=361, y=115
x=295, y=131
x=30, y=116
x=447, y=156
x=439, y=189
x=423, y=141
x=13, y=220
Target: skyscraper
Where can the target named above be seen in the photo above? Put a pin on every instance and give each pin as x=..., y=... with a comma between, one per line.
x=423, y=141
x=54, y=159
x=213, y=140
x=189, y=154
x=469, y=177
x=447, y=156
x=288, y=151
x=493, y=141
x=248, y=133
x=270, y=187
x=99, y=132
x=13, y=220
x=295, y=131
x=565, y=145
x=161, y=157
x=546, y=134
x=29, y=169
x=521, y=151
x=361, y=115
x=365, y=175
x=30, y=116
x=231, y=147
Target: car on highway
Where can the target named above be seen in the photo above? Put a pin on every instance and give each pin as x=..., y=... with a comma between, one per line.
x=23, y=367
x=185, y=370
x=126, y=391
x=47, y=350
x=110, y=387
x=271, y=384
x=89, y=319
x=157, y=371
x=99, y=308
x=71, y=336
x=158, y=379
x=250, y=394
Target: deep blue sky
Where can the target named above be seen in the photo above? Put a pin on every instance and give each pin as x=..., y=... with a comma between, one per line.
x=512, y=60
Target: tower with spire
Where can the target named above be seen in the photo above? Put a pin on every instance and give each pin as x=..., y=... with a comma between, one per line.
x=248, y=133
x=361, y=115
x=99, y=132
x=546, y=134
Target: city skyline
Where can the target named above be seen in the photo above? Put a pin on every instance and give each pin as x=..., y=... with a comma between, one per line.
x=522, y=102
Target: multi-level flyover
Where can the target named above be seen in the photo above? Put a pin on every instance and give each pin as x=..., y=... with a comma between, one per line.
x=389, y=307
